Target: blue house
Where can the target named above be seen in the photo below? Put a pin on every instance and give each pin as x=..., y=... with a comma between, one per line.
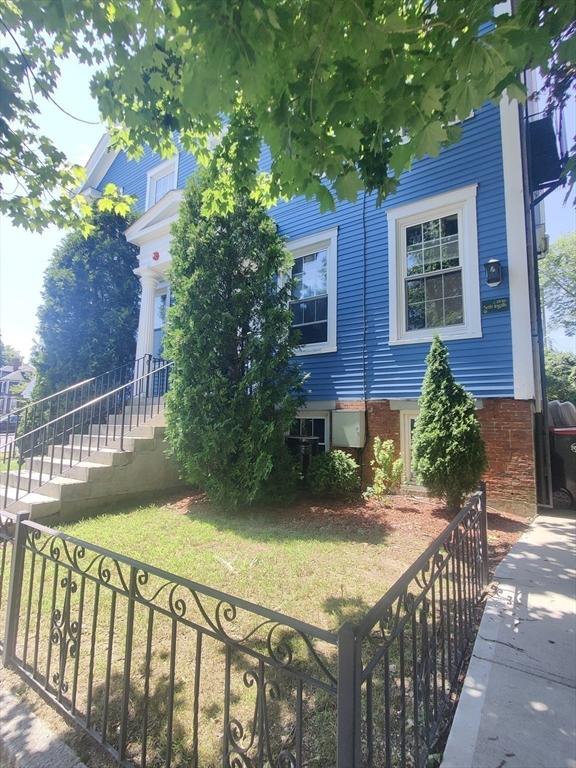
x=448, y=253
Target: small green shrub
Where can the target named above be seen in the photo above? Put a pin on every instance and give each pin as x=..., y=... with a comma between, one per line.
x=333, y=474
x=387, y=470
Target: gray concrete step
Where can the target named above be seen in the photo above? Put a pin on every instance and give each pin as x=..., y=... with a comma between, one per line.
x=37, y=504
x=56, y=487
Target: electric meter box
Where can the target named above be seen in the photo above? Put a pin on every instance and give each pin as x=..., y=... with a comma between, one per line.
x=348, y=429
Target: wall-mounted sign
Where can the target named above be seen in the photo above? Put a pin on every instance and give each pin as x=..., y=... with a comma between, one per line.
x=495, y=305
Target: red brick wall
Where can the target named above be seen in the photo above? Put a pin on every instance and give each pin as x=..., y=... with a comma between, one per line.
x=507, y=430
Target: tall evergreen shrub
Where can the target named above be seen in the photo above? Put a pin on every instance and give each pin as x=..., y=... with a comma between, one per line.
x=447, y=447
x=234, y=389
x=88, y=317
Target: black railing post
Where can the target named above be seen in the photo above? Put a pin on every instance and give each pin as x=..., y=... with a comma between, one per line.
x=484, y=531
x=127, y=663
x=348, y=699
x=15, y=588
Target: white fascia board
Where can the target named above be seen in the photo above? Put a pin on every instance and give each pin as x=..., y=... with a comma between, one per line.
x=99, y=162
x=517, y=247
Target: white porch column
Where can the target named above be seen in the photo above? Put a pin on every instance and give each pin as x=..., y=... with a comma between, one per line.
x=145, y=340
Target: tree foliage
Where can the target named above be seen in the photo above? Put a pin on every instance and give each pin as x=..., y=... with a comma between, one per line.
x=9, y=355
x=335, y=88
x=234, y=389
x=561, y=376
x=558, y=283
x=447, y=448
x=89, y=312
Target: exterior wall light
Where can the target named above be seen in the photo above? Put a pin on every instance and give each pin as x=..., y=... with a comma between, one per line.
x=493, y=273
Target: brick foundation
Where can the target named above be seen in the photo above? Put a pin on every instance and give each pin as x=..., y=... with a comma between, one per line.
x=507, y=429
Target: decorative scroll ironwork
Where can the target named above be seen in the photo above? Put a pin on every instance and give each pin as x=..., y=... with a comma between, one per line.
x=7, y=527
x=391, y=677
x=280, y=640
x=64, y=633
x=252, y=747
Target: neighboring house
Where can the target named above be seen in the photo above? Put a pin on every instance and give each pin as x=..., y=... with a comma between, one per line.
x=15, y=384
x=376, y=283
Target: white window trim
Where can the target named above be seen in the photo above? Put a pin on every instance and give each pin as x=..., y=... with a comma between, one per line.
x=307, y=414
x=462, y=202
x=157, y=172
x=326, y=239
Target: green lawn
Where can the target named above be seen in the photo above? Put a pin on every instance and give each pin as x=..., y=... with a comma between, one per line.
x=319, y=565
x=304, y=562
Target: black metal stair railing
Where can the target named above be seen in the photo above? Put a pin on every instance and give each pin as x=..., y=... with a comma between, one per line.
x=36, y=457
x=39, y=412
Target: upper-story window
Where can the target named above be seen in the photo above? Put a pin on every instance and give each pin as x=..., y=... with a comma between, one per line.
x=161, y=180
x=314, y=297
x=434, y=281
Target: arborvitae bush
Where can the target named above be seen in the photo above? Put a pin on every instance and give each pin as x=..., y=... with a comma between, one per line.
x=234, y=387
x=335, y=473
x=387, y=470
x=447, y=447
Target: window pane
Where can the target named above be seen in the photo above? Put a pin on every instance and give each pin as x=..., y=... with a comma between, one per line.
x=453, y=284
x=434, y=314
x=450, y=254
x=431, y=230
x=414, y=235
x=434, y=288
x=450, y=225
x=313, y=334
x=415, y=291
x=312, y=275
x=319, y=429
x=321, y=308
x=415, y=263
x=306, y=426
x=453, y=311
x=432, y=259
x=160, y=302
x=162, y=185
x=415, y=317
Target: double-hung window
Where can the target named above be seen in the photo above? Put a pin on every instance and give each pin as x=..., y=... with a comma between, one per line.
x=434, y=279
x=313, y=304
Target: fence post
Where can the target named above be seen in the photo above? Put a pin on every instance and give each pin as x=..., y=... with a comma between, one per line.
x=348, y=699
x=484, y=531
x=15, y=589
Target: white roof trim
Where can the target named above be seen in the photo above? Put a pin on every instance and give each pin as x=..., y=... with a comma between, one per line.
x=99, y=162
x=156, y=220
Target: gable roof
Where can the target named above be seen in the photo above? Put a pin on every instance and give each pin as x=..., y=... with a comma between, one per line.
x=157, y=220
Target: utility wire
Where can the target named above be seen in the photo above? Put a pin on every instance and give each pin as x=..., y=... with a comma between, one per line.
x=44, y=91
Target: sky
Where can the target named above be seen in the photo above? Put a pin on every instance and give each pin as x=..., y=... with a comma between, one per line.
x=24, y=255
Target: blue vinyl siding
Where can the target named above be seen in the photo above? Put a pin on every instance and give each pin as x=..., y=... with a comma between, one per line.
x=483, y=365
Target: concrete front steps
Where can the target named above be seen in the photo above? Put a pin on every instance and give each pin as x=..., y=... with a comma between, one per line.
x=87, y=476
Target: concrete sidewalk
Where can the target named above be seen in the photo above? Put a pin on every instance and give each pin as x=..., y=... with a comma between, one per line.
x=518, y=704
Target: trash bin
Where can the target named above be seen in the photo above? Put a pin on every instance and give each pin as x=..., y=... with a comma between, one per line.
x=563, y=460
x=304, y=447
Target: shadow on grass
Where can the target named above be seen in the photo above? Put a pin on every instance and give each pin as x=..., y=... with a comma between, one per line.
x=351, y=521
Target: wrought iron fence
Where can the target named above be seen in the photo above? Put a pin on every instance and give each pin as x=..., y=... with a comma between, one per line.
x=164, y=671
